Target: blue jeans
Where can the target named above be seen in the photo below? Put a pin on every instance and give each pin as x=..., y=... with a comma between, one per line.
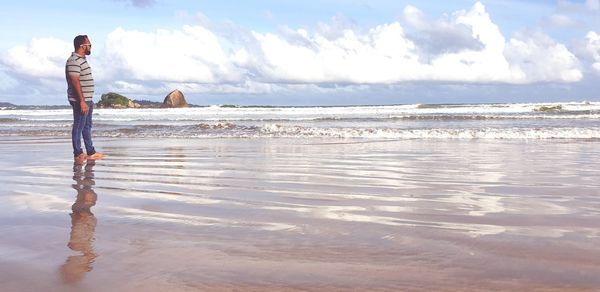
x=82, y=126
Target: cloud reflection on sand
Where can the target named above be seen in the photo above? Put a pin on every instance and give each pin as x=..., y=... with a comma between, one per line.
x=153, y=216
x=224, y=186
x=220, y=212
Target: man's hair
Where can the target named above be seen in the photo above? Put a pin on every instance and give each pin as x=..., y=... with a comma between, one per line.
x=79, y=40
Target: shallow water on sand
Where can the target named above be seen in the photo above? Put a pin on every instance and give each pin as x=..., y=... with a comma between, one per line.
x=306, y=214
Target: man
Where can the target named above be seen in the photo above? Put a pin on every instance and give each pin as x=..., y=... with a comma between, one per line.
x=80, y=92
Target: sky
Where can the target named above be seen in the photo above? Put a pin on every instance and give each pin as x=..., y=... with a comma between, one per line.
x=327, y=52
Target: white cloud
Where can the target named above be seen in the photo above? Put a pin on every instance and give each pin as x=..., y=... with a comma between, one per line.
x=466, y=46
x=336, y=27
x=353, y=58
x=593, y=5
x=192, y=54
x=593, y=48
x=6, y=81
x=246, y=87
x=386, y=54
x=41, y=58
x=539, y=58
x=126, y=87
x=561, y=20
x=582, y=15
x=440, y=36
x=198, y=18
x=487, y=64
x=568, y=6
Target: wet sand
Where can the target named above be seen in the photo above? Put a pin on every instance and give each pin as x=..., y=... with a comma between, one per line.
x=300, y=214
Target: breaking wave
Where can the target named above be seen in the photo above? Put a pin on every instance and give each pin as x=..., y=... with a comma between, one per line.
x=419, y=121
x=230, y=130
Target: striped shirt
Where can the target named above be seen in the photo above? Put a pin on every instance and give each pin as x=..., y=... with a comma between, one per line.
x=77, y=65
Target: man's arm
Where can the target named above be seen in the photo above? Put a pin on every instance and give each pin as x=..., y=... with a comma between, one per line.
x=76, y=85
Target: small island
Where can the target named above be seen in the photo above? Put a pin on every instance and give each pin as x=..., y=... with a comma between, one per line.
x=115, y=100
x=174, y=99
x=6, y=104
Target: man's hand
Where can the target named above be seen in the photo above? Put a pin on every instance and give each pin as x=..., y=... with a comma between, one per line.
x=74, y=82
x=84, y=107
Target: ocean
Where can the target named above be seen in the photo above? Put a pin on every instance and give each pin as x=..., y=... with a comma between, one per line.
x=572, y=120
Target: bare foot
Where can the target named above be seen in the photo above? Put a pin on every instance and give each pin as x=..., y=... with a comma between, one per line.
x=80, y=159
x=96, y=156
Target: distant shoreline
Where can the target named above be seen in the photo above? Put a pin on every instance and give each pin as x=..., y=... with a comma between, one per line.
x=149, y=105
x=7, y=105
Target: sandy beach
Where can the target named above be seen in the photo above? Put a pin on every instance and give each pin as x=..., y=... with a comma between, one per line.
x=231, y=214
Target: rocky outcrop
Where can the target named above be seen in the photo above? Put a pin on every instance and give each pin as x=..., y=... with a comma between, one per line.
x=549, y=108
x=115, y=100
x=175, y=99
x=133, y=104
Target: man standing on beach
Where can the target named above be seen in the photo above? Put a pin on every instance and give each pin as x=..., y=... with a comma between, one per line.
x=80, y=93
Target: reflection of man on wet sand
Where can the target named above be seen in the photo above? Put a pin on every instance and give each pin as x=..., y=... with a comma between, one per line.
x=83, y=225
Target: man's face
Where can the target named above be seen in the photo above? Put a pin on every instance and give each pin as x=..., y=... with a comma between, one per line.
x=87, y=46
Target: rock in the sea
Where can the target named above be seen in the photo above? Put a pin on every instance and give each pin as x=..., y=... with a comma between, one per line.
x=114, y=100
x=175, y=99
x=549, y=108
x=133, y=104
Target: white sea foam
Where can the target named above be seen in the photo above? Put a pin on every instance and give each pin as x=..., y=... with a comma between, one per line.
x=306, y=113
x=435, y=133
x=577, y=120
